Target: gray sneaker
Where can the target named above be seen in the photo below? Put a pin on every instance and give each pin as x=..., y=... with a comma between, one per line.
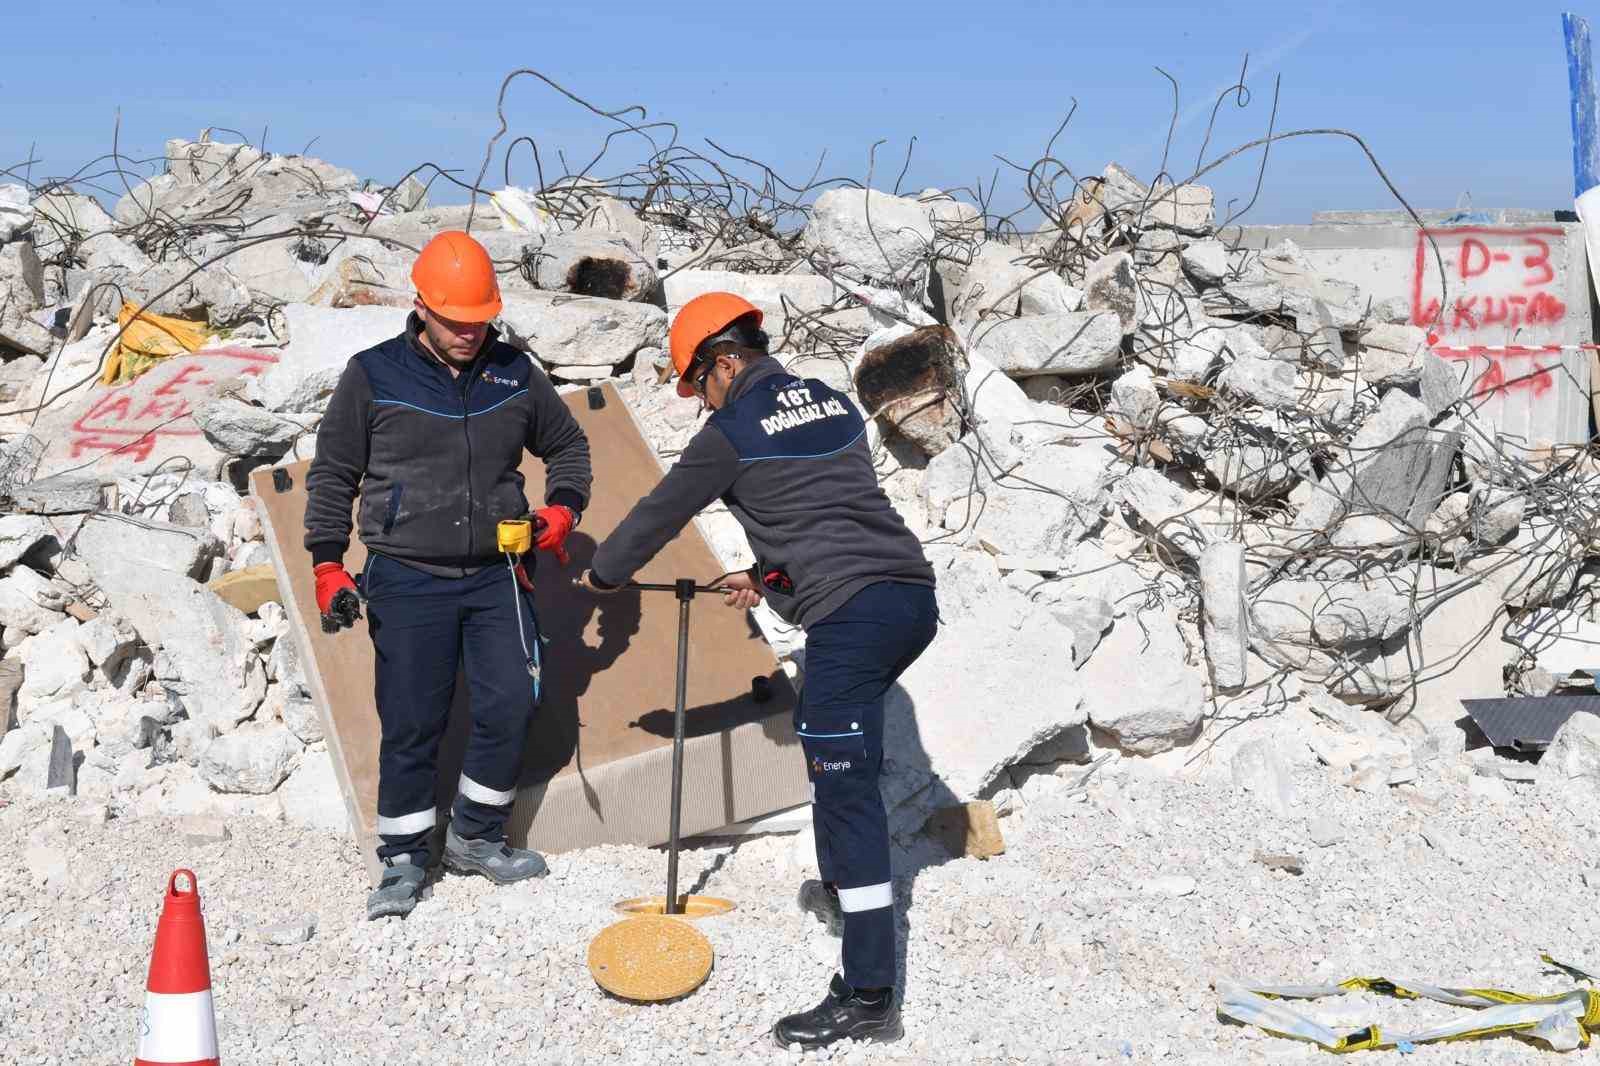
x=396, y=894
x=494, y=859
x=821, y=901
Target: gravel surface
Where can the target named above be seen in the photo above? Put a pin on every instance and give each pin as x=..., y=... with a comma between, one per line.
x=1094, y=938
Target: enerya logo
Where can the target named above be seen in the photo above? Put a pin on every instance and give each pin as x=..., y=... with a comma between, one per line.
x=498, y=381
x=822, y=766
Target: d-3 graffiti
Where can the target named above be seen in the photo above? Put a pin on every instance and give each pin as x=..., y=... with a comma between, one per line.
x=1503, y=289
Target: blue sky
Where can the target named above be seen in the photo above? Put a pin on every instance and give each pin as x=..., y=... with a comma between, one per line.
x=1466, y=97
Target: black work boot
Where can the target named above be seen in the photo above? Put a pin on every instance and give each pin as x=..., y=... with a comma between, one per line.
x=858, y=1014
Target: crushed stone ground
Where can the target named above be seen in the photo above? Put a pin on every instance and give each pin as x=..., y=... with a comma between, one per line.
x=1071, y=947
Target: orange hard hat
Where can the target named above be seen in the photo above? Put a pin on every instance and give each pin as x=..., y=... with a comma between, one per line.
x=700, y=319
x=455, y=278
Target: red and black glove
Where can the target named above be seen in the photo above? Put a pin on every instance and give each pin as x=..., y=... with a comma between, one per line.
x=336, y=597
x=551, y=525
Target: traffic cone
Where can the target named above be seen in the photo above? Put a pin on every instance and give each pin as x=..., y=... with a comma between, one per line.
x=179, y=1025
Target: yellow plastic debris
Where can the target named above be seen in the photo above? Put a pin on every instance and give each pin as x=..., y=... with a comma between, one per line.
x=146, y=340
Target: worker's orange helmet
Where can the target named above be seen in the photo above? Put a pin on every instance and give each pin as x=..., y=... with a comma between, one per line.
x=698, y=321
x=455, y=278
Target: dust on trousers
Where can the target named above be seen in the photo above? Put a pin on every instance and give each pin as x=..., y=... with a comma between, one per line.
x=425, y=630
x=853, y=656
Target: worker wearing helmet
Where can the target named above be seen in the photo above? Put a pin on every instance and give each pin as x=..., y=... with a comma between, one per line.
x=427, y=430
x=789, y=457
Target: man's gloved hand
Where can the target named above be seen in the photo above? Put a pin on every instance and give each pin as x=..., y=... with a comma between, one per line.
x=336, y=597
x=587, y=580
x=551, y=525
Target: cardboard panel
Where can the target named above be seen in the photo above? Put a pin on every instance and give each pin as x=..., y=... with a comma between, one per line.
x=598, y=760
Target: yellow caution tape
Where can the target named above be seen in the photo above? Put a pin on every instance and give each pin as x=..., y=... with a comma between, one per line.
x=1562, y=1022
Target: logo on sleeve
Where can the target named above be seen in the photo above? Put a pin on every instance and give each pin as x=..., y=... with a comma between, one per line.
x=493, y=380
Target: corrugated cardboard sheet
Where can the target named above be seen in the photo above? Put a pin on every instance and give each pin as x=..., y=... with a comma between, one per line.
x=597, y=764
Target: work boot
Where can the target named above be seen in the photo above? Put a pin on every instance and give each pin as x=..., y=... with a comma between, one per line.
x=821, y=900
x=396, y=894
x=859, y=1014
x=494, y=859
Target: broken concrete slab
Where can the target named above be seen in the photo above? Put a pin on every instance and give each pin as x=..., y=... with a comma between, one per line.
x=776, y=296
x=1156, y=707
x=320, y=341
x=1134, y=397
x=1002, y=282
x=1111, y=284
x=310, y=795
x=870, y=235
x=1069, y=342
x=1227, y=618
x=1015, y=658
x=254, y=759
x=20, y=534
x=111, y=542
x=1206, y=261
x=234, y=427
x=911, y=383
x=28, y=603
x=582, y=330
x=1266, y=381
x=1051, y=501
x=592, y=263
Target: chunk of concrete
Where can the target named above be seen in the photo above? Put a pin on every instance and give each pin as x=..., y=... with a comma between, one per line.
x=1002, y=282
x=310, y=796
x=1573, y=757
x=20, y=534
x=1006, y=654
x=1206, y=261
x=27, y=601
x=109, y=542
x=1071, y=342
x=1393, y=355
x=54, y=666
x=1156, y=707
x=320, y=341
x=870, y=234
x=1111, y=284
x=1266, y=381
x=1051, y=501
x=16, y=212
x=237, y=428
x=1227, y=620
x=593, y=263
x=911, y=383
x=582, y=330
x=1134, y=397
x=254, y=759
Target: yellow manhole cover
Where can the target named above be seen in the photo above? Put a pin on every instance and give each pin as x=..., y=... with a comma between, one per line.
x=650, y=958
x=693, y=906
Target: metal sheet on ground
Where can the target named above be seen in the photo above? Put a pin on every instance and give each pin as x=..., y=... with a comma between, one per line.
x=598, y=759
x=1527, y=723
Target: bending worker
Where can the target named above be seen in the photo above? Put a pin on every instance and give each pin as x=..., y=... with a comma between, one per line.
x=789, y=457
x=428, y=429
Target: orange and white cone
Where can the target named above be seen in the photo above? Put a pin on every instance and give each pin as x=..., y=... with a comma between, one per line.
x=179, y=1027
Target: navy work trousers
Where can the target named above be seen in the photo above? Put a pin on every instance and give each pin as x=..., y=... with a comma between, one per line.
x=852, y=657
x=425, y=629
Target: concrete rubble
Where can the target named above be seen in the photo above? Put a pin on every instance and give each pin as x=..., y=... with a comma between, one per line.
x=1196, y=509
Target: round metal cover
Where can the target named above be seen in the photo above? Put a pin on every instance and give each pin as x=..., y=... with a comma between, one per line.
x=650, y=958
x=693, y=906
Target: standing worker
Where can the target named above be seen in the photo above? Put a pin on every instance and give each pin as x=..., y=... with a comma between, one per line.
x=428, y=429
x=789, y=457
